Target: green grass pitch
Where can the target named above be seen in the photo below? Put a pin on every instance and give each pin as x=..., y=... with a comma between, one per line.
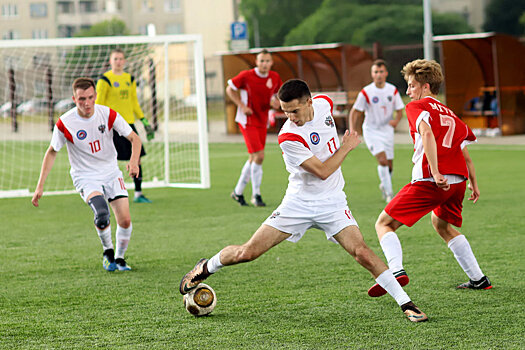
x=54, y=293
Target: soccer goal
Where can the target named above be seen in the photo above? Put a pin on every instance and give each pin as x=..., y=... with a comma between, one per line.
x=37, y=74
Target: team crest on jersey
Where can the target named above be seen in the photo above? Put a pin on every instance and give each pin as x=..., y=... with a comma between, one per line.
x=314, y=137
x=389, y=98
x=269, y=83
x=275, y=214
x=116, y=84
x=101, y=128
x=329, y=121
x=375, y=99
x=81, y=134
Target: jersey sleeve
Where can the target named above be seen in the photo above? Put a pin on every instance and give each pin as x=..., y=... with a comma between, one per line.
x=398, y=102
x=58, y=140
x=470, y=139
x=360, y=102
x=135, y=101
x=238, y=81
x=103, y=86
x=121, y=126
x=415, y=115
x=295, y=149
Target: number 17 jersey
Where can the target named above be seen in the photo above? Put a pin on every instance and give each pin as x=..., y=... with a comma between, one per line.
x=318, y=138
x=89, y=142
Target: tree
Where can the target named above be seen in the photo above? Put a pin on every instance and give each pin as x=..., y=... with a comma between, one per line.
x=361, y=23
x=504, y=16
x=275, y=18
x=112, y=27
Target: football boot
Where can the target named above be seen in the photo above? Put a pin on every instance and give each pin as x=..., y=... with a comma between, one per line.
x=192, y=279
x=108, y=260
x=239, y=199
x=483, y=283
x=413, y=313
x=121, y=265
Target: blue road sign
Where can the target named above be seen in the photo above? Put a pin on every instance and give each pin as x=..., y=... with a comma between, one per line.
x=239, y=31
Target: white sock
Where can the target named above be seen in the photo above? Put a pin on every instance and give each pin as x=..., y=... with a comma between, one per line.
x=392, y=286
x=384, y=176
x=257, y=174
x=465, y=257
x=244, y=178
x=392, y=249
x=105, y=237
x=214, y=264
x=123, y=236
x=138, y=194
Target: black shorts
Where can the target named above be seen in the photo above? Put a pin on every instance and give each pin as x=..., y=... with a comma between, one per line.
x=123, y=146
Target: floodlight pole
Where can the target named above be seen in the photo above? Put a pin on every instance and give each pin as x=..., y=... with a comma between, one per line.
x=428, y=47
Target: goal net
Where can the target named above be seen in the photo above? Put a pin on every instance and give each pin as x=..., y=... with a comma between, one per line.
x=37, y=74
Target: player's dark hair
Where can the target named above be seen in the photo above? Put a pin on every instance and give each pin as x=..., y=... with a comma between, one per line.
x=379, y=63
x=83, y=84
x=294, y=89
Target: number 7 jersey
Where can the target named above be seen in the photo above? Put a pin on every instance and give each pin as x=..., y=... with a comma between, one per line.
x=451, y=135
x=89, y=141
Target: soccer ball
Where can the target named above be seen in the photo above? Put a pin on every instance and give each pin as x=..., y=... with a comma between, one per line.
x=201, y=300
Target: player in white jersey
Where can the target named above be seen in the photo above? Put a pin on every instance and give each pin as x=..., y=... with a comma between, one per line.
x=314, y=198
x=87, y=131
x=377, y=102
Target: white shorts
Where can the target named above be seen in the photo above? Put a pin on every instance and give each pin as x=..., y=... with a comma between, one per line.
x=295, y=217
x=111, y=187
x=380, y=140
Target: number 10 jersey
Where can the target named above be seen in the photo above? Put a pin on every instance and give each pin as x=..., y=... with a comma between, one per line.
x=89, y=142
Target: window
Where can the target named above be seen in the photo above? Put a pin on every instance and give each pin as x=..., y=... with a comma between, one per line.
x=11, y=34
x=87, y=7
x=147, y=6
x=173, y=28
x=65, y=31
x=65, y=7
x=9, y=10
x=38, y=9
x=39, y=34
x=112, y=6
x=171, y=5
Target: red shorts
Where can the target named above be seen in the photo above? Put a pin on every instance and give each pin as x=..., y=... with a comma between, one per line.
x=254, y=137
x=417, y=199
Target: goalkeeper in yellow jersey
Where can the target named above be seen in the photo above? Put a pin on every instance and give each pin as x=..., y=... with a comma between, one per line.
x=118, y=90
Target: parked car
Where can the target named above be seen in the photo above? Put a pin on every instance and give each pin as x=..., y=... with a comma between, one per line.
x=32, y=106
x=5, y=109
x=64, y=105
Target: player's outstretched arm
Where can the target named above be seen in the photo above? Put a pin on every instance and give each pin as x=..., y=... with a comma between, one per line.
x=473, y=182
x=47, y=165
x=324, y=170
x=136, y=145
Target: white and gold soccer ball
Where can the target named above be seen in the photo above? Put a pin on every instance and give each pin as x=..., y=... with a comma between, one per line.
x=201, y=300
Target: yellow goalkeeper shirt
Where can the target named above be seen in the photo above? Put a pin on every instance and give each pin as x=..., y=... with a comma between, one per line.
x=119, y=92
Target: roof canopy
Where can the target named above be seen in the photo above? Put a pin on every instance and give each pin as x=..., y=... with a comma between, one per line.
x=475, y=64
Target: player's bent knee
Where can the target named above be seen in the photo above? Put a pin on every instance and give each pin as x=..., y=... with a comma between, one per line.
x=101, y=210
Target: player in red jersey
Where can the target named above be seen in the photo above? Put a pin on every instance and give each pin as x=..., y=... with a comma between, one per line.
x=442, y=165
x=253, y=91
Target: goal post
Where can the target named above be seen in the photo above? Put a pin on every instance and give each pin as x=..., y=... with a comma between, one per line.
x=169, y=71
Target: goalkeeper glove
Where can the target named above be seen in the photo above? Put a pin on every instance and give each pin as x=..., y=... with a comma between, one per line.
x=150, y=134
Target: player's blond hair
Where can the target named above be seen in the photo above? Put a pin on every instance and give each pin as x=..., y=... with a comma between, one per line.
x=424, y=71
x=83, y=84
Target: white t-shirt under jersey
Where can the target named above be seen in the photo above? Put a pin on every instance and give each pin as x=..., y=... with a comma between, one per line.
x=90, y=142
x=378, y=104
x=319, y=138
